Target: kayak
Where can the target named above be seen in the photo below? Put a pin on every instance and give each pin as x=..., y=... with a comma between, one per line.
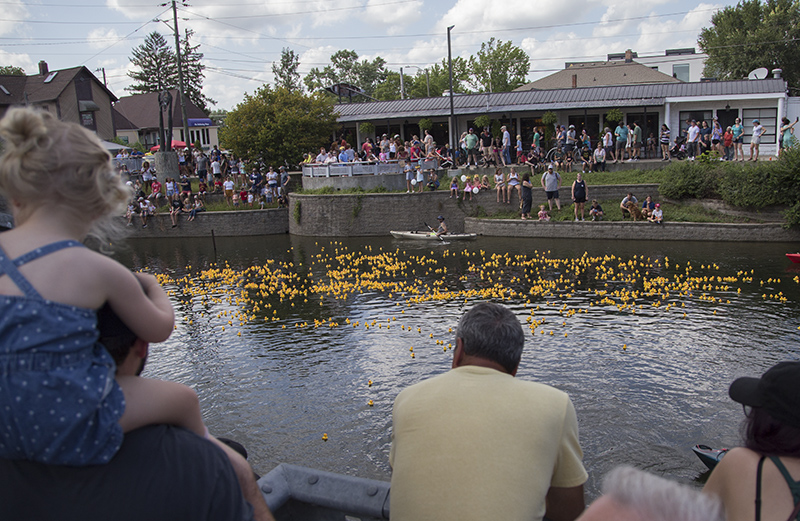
x=794, y=257
x=708, y=455
x=430, y=236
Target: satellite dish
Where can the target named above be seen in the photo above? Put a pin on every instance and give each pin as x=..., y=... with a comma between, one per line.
x=758, y=74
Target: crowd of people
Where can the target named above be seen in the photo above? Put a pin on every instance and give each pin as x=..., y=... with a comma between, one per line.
x=242, y=185
x=86, y=437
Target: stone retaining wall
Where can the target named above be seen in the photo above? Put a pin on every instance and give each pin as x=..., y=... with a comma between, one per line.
x=224, y=224
x=669, y=231
x=376, y=214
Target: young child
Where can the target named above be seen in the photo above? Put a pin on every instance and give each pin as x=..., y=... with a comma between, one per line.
x=596, y=211
x=485, y=183
x=61, y=186
x=468, y=189
x=130, y=212
x=657, y=215
x=454, y=188
x=236, y=198
x=543, y=215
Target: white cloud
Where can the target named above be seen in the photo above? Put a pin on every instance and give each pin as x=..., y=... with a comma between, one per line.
x=13, y=10
x=470, y=15
x=395, y=19
x=101, y=38
x=19, y=60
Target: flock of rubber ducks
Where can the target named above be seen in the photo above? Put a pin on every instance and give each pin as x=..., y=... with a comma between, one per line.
x=551, y=290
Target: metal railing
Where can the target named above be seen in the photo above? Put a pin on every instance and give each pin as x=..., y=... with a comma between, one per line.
x=365, y=168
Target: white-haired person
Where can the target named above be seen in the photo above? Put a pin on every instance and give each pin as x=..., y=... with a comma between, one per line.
x=634, y=495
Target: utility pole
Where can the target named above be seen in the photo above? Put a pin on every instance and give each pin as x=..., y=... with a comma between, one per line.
x=402, y=87
x=180, y=75
x=453, y=128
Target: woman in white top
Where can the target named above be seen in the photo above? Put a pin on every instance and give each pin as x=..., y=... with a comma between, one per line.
x=500, y=185
x=514, y=184
x=608, y=144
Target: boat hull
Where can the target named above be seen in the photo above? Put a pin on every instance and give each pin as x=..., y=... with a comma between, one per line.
x=794, y=257
x=710, y=457
x=430, y=236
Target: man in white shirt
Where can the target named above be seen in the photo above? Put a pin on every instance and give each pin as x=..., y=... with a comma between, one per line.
x=692, y=139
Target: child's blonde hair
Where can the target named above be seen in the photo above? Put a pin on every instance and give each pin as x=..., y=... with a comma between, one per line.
x=50, y=161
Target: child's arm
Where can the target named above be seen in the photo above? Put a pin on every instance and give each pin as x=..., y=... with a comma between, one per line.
x=139, y=301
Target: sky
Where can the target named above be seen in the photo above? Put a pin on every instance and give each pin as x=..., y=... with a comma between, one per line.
x=242, y=38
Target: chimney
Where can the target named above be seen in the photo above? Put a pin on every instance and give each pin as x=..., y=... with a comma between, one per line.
x=776, y=73
x=628, y=56
x=43, y=70
x=574, y=81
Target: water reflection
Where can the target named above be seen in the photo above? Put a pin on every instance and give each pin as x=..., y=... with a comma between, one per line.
x=277, y=389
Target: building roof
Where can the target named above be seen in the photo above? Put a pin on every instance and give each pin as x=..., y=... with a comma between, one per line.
x=650, y=95
x=141, y=111
x=597, y=74
x=37, y=89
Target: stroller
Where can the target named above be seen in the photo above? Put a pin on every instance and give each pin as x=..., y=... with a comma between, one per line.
x=444, y=162
x=678, y=150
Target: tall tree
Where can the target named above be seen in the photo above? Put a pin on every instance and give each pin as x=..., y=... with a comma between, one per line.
x=157, y=67
x=498, y=67
x=277, y=124
x=416, y=86
x=193, y=75
x=285, y=72
x=750, y=35
x=346, y=68
x=11, y=70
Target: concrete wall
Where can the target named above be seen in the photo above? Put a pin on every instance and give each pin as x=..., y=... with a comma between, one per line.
x=224, y=224
x=398, y=181
x=377, y=214
x=633, y=230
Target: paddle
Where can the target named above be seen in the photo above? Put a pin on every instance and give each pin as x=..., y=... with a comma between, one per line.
x=434, y=232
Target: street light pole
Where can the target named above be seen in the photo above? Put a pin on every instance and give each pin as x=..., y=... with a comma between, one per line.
x=180, y=76
x=402, y=86
x=453, y=129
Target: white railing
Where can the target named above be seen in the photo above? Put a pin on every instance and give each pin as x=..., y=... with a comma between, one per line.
x=364, y=168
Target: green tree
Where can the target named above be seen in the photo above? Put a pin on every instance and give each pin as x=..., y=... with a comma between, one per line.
x=277, y=124
x=750, y=35
x=345, y=67
x=157, y=69
x=498, y=67
x=285, y=72
x=417, y=86
x=389, y=89
x=11, y=70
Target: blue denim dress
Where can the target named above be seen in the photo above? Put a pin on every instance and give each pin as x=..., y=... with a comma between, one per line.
x=59, y=401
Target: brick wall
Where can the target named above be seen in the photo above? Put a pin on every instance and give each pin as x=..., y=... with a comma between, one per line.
x=377, y=214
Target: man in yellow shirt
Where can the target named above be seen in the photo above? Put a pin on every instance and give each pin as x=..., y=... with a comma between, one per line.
x=475, y=443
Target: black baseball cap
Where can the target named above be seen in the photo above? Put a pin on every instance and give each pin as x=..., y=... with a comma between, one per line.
x=777, y=392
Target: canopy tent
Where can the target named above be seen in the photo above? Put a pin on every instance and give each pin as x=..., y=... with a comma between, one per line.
x=175, y=144
x=110, y=145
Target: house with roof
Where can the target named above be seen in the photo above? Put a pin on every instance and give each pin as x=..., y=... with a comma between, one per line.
x=73, y=94
x=667, y=102
x=137, y=121
x=598, y=74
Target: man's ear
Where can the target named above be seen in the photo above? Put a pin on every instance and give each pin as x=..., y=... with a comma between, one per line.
x=458, y=354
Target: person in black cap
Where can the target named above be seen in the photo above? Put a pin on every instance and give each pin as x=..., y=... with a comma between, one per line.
x=749, y=486
x=442, y=226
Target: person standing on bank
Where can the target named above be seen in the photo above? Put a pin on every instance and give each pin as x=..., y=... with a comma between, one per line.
x=755, y=140
x=738, y=139
x=759, y=481
x=527, y=196
x=579, y=195
x=551, y=182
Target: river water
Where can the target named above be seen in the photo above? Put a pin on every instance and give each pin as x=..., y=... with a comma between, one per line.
x=281, y=335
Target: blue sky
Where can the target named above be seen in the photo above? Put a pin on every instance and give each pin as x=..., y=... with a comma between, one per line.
x=242, y=38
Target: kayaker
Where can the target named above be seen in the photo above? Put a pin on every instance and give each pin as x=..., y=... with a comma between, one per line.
x=442, y=226
x=491, y=446
x=759, y=481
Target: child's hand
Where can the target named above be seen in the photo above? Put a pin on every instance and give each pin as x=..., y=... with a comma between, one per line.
x=146, y=280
